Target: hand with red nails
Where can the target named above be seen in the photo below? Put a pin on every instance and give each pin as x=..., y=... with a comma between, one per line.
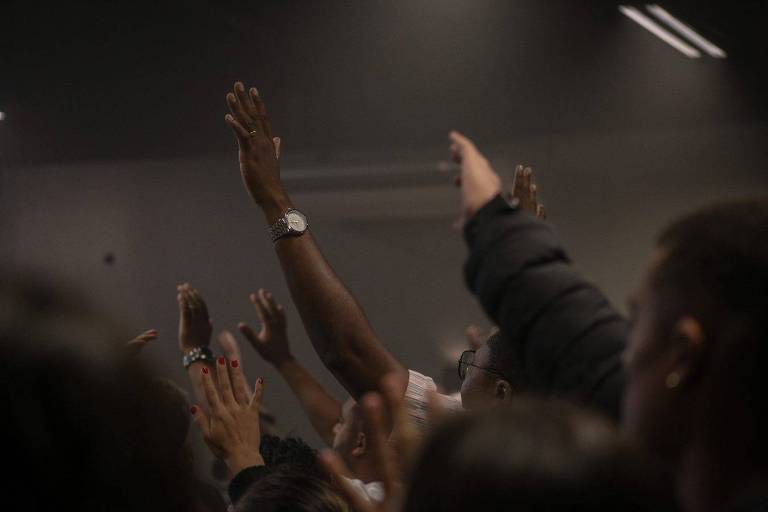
x=259, y=151
x=272, y=340
x=195, y=326
x=138, y=343
x=231, y=428
x=479, y=182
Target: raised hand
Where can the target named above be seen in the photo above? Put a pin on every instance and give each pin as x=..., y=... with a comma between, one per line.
x=231, y=429
x=474, y=336
x=259, y=151
x=479, y=182
x=195, y=327
x=524, y=190
x=272, y=341
x=138, y=343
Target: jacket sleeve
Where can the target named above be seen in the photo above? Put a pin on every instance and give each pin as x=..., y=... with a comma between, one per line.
x=568, y=337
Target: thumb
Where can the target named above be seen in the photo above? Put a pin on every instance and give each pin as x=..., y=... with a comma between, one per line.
x=201, y=420
x=248, y=332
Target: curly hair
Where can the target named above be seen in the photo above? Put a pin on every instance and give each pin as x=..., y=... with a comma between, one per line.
x=290, y=453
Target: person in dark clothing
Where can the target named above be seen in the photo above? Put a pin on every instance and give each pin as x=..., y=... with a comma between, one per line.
x=567, y=336
x=695, y=349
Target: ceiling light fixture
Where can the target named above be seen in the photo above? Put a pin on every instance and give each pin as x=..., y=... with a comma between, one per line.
x=686, y=31
x=647, y=23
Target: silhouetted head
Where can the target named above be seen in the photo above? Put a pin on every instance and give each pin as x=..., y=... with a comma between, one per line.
x=698, y=347
x=530, y=456
x=84, y=424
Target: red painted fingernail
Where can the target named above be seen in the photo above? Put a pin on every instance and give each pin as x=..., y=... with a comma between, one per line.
x=222, y=361
x=235, y=363
x=193, y=409
x=205, y=370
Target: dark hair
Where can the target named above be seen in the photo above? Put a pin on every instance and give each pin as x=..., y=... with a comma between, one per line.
x=505, y=358
x=291, y=490
x=292, y=453
x=713, y=265
x=532, y=455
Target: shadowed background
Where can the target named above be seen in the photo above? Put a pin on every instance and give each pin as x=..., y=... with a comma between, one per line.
x=118, y=174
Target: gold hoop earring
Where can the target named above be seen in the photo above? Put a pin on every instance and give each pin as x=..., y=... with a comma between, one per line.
x=673, y=380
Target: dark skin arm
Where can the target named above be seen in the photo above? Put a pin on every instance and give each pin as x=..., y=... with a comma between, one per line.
x=271, y=342
x=334, y=321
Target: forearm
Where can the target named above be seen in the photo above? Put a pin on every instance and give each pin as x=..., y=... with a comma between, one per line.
x=322, y=409
x=334, y=321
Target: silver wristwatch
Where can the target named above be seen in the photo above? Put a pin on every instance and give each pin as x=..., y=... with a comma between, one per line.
x=292, y=223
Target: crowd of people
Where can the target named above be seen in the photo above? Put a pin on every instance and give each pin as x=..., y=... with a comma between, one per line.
x=566, y=405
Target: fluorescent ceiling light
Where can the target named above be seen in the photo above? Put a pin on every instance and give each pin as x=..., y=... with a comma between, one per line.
x=659, y=31
x=686, y=31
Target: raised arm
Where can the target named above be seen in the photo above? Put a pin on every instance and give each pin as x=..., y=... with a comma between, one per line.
x=272, y=345
x=568, y=335
x=334, y=321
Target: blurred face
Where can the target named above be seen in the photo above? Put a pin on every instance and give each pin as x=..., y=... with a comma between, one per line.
x=478, y=389
x=653, y=415
x=347, y=431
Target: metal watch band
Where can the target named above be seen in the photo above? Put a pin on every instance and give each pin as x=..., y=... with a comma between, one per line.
x=283, y=228
x=279, y=229
x=197, y=354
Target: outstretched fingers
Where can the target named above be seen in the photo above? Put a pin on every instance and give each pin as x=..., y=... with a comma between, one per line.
x=239, y=384
x=202, y=420
x=211, y=393
x=225, y=385
x=376, y=434
x=258, y=392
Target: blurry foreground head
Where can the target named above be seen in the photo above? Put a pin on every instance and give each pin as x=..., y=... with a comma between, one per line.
x=532, y=455
x=698, y=350
x=81, y=427
x=287, y=489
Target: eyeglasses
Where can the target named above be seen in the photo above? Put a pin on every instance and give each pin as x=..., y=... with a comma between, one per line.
x=466, y=360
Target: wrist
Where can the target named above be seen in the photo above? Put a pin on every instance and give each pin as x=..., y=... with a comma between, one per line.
x=284, y=363
x=243, y=460
x=275, y=206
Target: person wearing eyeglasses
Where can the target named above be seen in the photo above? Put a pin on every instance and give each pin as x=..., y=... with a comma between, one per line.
x=490, y=375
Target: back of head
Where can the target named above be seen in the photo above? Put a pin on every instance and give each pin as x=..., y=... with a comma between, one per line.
x=532, y=455
x=82, y=427
x=287, y=489
x=713, y=266
x=506, y=358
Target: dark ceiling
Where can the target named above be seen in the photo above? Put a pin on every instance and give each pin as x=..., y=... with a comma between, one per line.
x=117, y=80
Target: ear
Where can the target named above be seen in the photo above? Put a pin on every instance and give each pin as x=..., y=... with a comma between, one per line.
x=689, y=338
x=503, y=390
x=360, y=444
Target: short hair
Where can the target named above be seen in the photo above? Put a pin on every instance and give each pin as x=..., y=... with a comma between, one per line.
x=532, y=455
x=714, y=267
x=290, y=490
x=505, y=358
x=290, y=453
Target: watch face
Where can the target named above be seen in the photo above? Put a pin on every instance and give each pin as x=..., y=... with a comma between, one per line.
x=296, y=221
